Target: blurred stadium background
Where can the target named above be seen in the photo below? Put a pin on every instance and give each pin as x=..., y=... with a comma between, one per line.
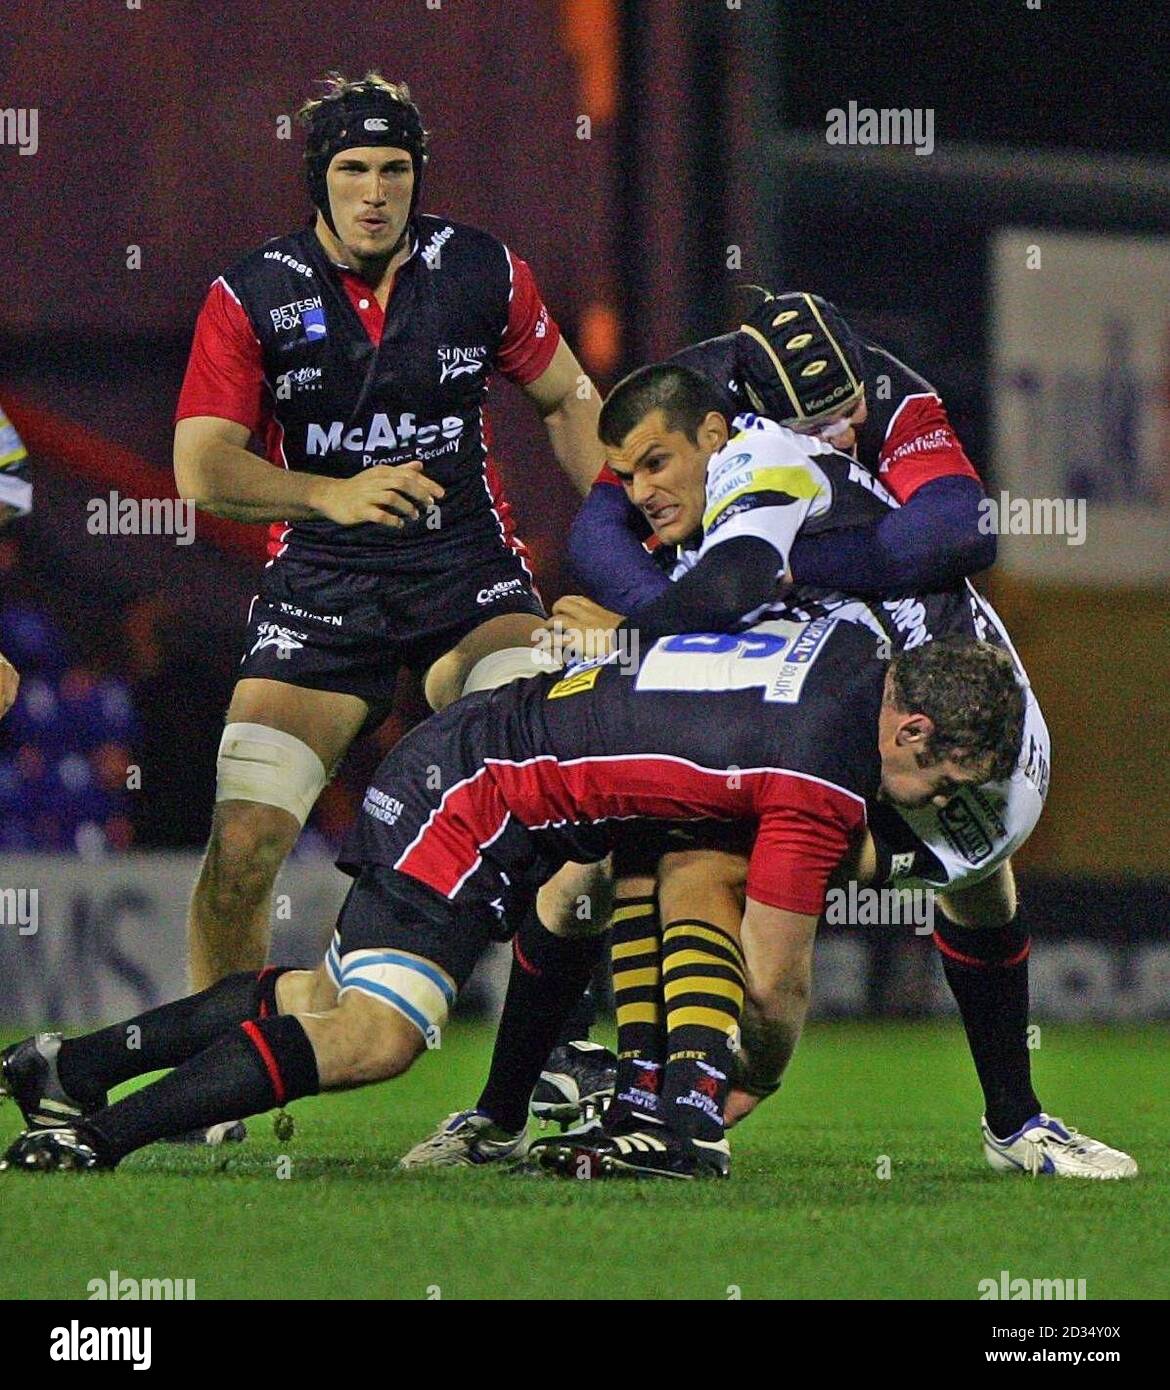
x=649, y=159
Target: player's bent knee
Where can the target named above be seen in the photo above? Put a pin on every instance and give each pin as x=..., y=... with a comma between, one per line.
x=986, y=905
x=392, y=1005
x=706, y=884
x=371, y=1041
x=305, y=991
x=268, y=767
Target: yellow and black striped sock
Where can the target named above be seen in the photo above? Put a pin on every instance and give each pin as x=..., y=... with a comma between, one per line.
x=702, y=986
x=635, y=949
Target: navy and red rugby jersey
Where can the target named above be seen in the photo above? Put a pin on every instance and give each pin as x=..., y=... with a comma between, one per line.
x=776, y=725
x=297, y=349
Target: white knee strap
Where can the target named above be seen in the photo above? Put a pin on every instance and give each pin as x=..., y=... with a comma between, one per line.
x=417, y=988
x=257, y=763
x=508, y=664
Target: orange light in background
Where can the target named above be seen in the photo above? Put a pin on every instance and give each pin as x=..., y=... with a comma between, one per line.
x=599, y=338
x=589, y=33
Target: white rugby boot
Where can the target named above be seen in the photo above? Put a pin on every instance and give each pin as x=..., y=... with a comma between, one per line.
x=1047, y=1147
x=465, y=1139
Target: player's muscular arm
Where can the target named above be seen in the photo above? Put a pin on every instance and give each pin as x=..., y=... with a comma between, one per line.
x=777, y=947
x=215, y=470
x=571, y=407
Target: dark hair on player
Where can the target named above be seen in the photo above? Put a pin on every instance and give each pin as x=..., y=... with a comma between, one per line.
x=683, y=396
x=969, y=692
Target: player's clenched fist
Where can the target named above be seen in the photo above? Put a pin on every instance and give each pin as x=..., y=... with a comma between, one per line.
x=9, y=684
x=387, y=494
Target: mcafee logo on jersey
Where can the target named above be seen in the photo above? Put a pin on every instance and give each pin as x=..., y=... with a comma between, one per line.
x=460, y=361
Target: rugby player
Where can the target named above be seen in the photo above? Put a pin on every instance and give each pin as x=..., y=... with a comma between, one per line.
x=15, y=500
x=532, y=775
x=359, y=349
x=962, y=848
x=9, y=685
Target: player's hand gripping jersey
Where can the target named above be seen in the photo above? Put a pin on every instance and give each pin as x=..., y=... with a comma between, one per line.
x=770, y=483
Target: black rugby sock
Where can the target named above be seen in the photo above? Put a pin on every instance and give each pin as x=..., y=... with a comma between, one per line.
x=581, y=1019
x=987, y=971
x=249, y=1069
x=549, y=975
x=165, y=1036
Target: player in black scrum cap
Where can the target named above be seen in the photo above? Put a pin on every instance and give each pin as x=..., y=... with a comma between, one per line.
x=358, y=349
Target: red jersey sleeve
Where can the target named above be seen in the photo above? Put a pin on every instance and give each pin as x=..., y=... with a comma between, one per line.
x=531, y=336
x=803, y=835
x=921, y=445
x=225, y=372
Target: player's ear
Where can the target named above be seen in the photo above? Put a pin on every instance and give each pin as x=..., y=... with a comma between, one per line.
x=914, y=731
x=713, y=432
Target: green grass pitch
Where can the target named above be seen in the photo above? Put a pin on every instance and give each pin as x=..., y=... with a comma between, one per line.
x=805, y=1214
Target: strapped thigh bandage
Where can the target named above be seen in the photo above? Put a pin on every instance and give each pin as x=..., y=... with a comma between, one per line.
x=508, y=664
x=257, y=763
x=419, y=989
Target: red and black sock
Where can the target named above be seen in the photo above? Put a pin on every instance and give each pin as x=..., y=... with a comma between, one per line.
x=163, y=1037
x=549, y=975
x=259, y=1064
x=987, y=970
